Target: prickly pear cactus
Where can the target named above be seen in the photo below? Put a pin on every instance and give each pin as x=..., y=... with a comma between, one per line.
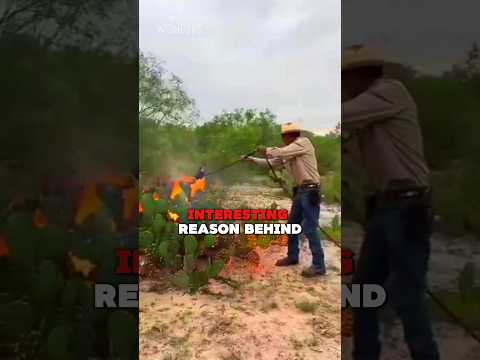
x=146, y=240
x=158, y=224
x=122, y=330
x=169, y=230
x=161, y=206
x=190, y=243
x=71, y=296
x=215, y=268
x=58, y=343
x=47, y=285
x=22, y=238
x=162, y=249
x=53, y=243
x=82, y=340
x=209, y=241
x=47, y=307
x=17, y=318
x=161, y=239
x=189, y=263
x=198, y=279
x=181, y=280
x=148, y=205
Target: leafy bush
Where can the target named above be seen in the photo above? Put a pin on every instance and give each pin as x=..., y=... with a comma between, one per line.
x=173, y=144
x=331, y=187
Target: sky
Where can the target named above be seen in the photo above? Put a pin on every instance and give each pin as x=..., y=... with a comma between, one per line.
x=430, y=35
x=275, y=54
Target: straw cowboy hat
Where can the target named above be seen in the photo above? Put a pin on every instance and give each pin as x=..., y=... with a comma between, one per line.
x=290, y=127
x=358, y=56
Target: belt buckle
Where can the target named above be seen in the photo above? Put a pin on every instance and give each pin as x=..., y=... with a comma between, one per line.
x=410, y=194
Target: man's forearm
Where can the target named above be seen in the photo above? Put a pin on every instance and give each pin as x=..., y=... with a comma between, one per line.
x=275, y=162
x=258, y=161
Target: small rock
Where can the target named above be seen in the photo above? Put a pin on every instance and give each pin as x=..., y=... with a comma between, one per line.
x=218, y=288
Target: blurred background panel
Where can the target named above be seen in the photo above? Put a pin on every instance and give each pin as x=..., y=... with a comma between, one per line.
x=68, y=157
x=436, y=47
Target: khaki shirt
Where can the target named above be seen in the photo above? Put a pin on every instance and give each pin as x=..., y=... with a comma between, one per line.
x=386, y=137
x=298, y=158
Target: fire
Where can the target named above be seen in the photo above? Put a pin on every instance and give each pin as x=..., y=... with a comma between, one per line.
x=177, y=186
x=90, y=204
x=196, y=186
x=173, y=216
x=83, y=266
x=140, y=208
x=156, y=196
x=39, y=219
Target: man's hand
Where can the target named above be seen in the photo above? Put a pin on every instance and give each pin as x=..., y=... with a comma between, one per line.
x=262, y=150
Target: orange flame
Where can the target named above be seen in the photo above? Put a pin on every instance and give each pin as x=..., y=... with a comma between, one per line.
x=90, y=204
x=39, y=219
x=176, y=190
x=173, y=216
x=140, y=208
x=156, y=196
x=196, y=186
x=177, y=186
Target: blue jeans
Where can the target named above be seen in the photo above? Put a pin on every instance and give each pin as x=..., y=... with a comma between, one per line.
x=305, y=212
x=396, y=248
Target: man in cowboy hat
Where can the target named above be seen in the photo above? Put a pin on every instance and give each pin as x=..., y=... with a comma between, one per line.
x=298, y=157
x=380, y=117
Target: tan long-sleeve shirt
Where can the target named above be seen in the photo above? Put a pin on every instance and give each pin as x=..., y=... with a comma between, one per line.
x=386, y=135
x=298, y=158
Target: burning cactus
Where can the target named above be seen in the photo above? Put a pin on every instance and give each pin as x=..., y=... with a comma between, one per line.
x=159, y=235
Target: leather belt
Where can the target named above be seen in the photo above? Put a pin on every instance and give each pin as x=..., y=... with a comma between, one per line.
x=308, y=186
x=393, y=195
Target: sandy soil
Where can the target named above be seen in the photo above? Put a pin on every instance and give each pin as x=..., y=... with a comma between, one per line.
x=448, y=257
x=271, y=314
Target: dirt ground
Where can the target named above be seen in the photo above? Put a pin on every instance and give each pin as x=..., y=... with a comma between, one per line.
x=268, y=313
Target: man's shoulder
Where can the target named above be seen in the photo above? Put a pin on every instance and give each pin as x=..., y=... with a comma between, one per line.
x=303, y=140
x=306, y=144
x=390, y=89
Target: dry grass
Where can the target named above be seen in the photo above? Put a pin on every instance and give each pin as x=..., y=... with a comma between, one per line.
x=307, y=306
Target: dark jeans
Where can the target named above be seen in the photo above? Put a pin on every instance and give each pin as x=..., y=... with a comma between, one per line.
x=397, y=248
x=306, y=210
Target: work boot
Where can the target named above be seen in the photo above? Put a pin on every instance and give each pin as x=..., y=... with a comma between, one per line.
x=313, y=271
x=286, y=262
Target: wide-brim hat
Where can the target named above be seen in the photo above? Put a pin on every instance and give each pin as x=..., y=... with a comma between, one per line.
x=290, y=127
x=359, y=56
